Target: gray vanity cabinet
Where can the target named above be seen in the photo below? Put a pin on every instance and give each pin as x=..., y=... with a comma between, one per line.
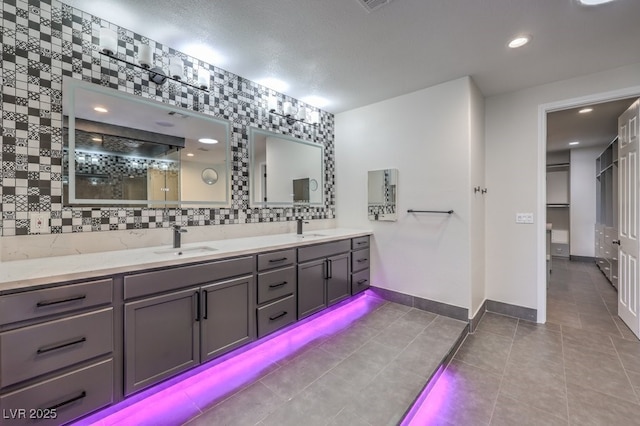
x=171, y=332
x=323, y=276
x=161, y=338
x=360, y=261
x=228, y=316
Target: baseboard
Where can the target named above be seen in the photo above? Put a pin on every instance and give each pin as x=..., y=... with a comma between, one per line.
x=473, y=322
x=582, y=258
x=528, y=314
x=439, y=308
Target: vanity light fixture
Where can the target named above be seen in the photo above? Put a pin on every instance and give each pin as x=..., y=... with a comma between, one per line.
x=519, y=41
x=585, y=110
x=291, y=114
x=108, y=47
x=204, y=76
x=593, y=2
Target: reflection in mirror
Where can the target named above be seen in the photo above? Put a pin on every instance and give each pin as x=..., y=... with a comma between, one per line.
x=122, y=149
x=285, y=171
x=382, y=188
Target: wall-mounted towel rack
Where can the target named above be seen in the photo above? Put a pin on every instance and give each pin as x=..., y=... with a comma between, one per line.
x=430, y=211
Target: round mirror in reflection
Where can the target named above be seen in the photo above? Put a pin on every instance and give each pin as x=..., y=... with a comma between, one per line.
x=209, y=176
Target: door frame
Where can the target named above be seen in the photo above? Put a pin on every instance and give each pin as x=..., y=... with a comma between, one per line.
x=543, y=110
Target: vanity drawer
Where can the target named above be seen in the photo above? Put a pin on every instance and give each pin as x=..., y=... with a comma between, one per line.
x=360, y=281
x=359, y=260
x=66, y=397
x=276, y=315
x=31, y=351
x=169, y=279
x=276, y=259
x=275, y=284
x=360, y=242
x=39, y=303
x=323, y=250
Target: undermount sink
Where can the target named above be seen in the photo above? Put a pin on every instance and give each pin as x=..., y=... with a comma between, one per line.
x=186, y=250
x=305, y=235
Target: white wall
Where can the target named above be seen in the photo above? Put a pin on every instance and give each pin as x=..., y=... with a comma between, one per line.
x=477, y=199
x=425, y=135
x=514, y=175
x=192, y=188
x=583, y=200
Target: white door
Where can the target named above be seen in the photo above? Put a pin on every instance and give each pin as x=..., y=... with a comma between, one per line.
x=628, y=288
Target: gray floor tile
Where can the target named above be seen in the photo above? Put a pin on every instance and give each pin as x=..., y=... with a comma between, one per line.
x=315, y=405
x=624, y=329
x=583, y=339
x=629, y=353
x=599, y=324
x=348, y=341
x=290, y=379
x=510, y=412
x=597, y=370
x=485, y=350
x=346, y=417
x=363, y=365
x=246, y=407
x=498, y=324
x=590, y=407
x=419, y=316
x=466, y=394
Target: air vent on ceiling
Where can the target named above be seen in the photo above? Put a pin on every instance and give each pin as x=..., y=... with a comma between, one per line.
x=371, y=5
x=203, y=149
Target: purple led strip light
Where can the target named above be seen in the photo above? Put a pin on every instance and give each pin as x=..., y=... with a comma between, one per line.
x=176, y=401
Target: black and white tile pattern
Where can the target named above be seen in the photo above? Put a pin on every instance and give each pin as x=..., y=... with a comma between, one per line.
x=42, y=41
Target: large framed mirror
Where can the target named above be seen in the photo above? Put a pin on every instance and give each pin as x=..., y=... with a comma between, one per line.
x=382, y=194
x=121, y=149
x=285, y=171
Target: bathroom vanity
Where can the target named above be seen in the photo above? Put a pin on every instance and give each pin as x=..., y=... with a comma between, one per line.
x=79, y=333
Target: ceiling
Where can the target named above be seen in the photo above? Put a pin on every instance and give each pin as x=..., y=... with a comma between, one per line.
x=337, y=50
x=596, y=128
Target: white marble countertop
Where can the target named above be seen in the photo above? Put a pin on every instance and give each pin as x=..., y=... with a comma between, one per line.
x=19, y=275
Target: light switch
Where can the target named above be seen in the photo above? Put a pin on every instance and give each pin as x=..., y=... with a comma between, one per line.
x=524, y=217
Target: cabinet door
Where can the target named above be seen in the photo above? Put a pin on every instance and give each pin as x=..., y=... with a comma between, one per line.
x=338, y=282
x=161, y=338
x=311, y=287
x=228, y=316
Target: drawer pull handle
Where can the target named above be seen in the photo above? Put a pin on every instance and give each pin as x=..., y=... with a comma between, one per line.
x=280, y=315
x=68, y=401
x=206, y=304
x=361, y=242
x=277, y=285
x=277, y=260
x=58, y=301
x=197, y=298
x=61, y=345
x=362, y=260
x=362, y=281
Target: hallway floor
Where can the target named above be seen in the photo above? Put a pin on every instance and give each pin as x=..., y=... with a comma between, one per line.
x=580, y=368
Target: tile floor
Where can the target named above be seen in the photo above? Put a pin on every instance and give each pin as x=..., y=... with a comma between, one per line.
x=580, y=368
x=367, y=374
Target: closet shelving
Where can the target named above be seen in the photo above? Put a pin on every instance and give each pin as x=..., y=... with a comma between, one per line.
x=558, y=206
x=606, y=228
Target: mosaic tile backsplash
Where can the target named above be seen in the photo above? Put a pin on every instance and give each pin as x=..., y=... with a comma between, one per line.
x=42, y=41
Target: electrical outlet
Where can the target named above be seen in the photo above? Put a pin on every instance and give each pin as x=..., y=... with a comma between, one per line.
x=524, y=217
x=39, y=222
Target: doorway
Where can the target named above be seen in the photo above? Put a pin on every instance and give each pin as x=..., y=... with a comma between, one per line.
x=546, y=139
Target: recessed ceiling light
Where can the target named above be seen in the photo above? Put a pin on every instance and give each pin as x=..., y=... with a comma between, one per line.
x=519, y=41
x=208, y=140
x=593, y=2
x=100, y=109
x=585, y=110
x=190, y=154
x=574, y=143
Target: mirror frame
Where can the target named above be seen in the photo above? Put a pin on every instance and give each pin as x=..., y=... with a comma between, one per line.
x=70, y=85
x=320, y=185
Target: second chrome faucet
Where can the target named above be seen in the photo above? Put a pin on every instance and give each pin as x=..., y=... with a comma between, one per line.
x=177, y=232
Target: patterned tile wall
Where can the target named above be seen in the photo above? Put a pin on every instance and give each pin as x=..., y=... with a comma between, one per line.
x=42, y=41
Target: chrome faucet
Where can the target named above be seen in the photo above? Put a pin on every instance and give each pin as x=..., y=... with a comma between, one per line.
x=299, y=226
x=177, y=230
